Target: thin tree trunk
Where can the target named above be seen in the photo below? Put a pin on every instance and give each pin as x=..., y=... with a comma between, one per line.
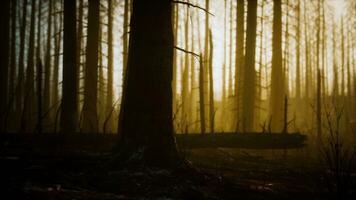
x=239, y=58
x=174, y=82
x=80, y=65
x=211, y=85
x=206, y=58
x=29, y=100
x=21, y=64
x=185, y=78
x=13, y=52
x=109, y=97
x=298, y=41
x=342, y=58
x=223, y=98
x=69, y=115
x=57, y=48
x=125, y=38
x=46, y=92
x=201, y=95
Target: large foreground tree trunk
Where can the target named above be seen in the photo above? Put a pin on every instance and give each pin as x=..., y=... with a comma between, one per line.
x=146, y=109
x=277, y=85
x=69, y=116
x=90, y=115
x=249, y=88
x=4, y=59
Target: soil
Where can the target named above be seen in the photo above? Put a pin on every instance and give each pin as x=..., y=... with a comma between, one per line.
x=47, y=169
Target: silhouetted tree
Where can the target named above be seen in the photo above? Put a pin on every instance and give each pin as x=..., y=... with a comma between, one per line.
x=90, y=115
x=69, y=115
x=147, y=126
x=277, y=85
x=4, y=59
x=249, y=88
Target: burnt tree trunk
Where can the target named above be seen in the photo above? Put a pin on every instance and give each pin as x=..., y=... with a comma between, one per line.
x=69, y=105
x=146, y=109
x=277, y=85
x=4, y=59
x=249, y=88
x=90, y=115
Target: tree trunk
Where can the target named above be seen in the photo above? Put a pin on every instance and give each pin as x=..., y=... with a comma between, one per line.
x=4, y=60
x=125, y=38
x=80, y=63
x=277, y=85
x=69, y=118
x=249, y=69
x=21, y=64
x=211, y=85
x=147, y=126
x=174, y=82
x=298, y=41
x=110, y=73
x=239, y=58
x=57, y=48
x=29, y=100
x=46, y=92
x=90, y=115
x=185, y=79
x=206, y=58
x=201, y=95
x=13, y=53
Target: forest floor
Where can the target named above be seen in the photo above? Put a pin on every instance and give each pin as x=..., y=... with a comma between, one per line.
x=50, y=169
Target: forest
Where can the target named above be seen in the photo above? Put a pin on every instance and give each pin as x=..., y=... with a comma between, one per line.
x=178, y=99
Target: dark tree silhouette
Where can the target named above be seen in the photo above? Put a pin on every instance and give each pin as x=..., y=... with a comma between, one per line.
x=69, y=115
x=4, y=59
x=90, y=115
x=146, y=109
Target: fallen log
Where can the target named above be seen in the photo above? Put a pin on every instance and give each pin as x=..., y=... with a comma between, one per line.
x=242, y=140
x=47, y=143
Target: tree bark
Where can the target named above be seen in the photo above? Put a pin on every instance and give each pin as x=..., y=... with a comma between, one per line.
x=21, y=64
x=13, y=53
x=90, y=115
x=249, y=69
x=239, y=58
x=147, y=126
x=211, y=85
x=109, y=96
x=69, y=118
x=277, y=85
x=29, y=100
x=4, y=60
x=47, y=70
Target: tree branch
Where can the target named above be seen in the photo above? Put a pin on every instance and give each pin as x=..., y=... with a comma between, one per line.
x=193, y=5
x=189, y=52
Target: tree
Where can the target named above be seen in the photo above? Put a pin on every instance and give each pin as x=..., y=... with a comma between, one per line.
x=13, y=52
x=20, y=73
x=249, y=88
x=211, y=85
x=4, y=60
x=277, y=85
x=298, y=41
x=109, y=95
x=239, y=58
x=47, y=70
x=146, y=108
x=90, y=115
x=29, y=100
x=69, y=118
